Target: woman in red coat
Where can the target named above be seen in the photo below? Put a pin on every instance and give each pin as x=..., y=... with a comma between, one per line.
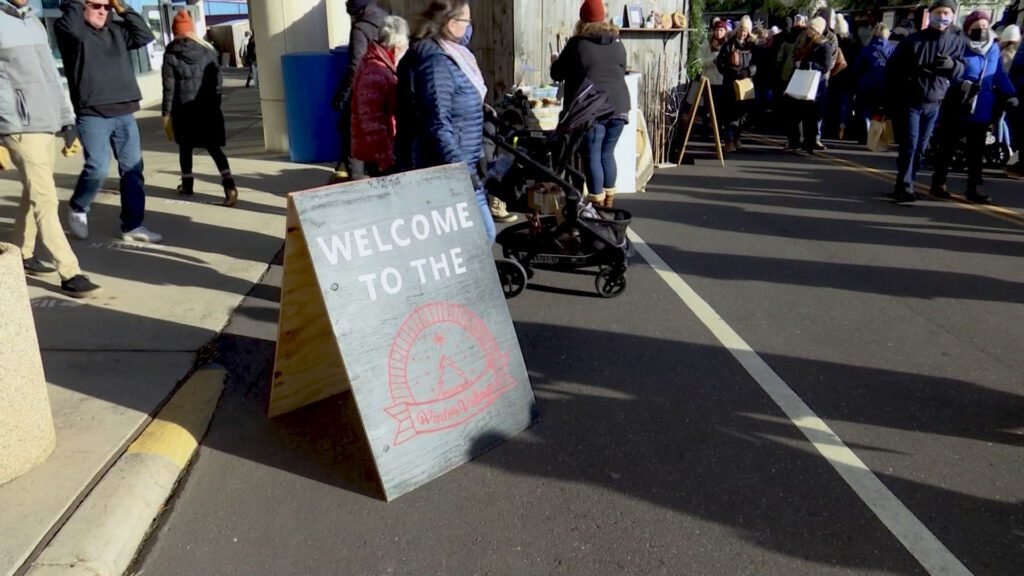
x=374, y=98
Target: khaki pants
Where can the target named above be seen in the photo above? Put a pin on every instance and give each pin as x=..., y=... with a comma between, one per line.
x=34, y=156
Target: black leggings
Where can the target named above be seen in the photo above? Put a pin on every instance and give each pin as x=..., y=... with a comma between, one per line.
x=185, y=160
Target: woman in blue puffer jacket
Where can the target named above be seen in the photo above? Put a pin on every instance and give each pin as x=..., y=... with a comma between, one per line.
x=440, y=97
x=970, y=110
x=870, y=73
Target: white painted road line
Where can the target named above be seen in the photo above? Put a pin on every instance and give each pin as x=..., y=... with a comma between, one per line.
x=911, y=532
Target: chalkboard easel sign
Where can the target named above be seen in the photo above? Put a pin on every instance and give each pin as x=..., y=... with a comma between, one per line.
x=390, y=290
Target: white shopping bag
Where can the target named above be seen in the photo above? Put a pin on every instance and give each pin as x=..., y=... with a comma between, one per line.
x=803, y=85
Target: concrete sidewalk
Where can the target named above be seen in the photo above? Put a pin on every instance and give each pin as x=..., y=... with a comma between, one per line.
x=113, y=360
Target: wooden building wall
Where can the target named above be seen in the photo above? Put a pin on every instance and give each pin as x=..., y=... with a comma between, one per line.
x=493, y=41
x=513, y=39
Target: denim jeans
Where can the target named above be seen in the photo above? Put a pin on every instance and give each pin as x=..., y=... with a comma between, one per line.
x=485, y=211
x=914, y=130
x=599, y=154
x=98, y=136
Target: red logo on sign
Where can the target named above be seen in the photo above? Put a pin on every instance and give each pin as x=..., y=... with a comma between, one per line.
x=444, y=369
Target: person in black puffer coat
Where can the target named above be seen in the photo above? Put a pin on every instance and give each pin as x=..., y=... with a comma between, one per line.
x=595, y=53
x=736, y=62
x=191, y=104
x=367, y=19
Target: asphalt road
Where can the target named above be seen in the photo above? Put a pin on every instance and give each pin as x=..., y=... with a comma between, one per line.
x=656, y=451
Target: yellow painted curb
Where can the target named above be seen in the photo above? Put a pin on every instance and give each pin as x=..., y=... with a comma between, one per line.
x=175, y=432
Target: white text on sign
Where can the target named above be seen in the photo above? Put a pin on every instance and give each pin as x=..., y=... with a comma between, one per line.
x=400, y=233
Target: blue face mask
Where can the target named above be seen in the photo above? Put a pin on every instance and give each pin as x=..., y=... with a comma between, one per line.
x=940, y=23
x=467, y=36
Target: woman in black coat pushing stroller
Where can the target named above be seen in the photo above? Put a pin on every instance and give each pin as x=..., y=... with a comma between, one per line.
x=191, y=104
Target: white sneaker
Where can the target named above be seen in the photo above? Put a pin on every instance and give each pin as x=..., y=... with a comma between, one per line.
x=78, y=222
x=141, y=234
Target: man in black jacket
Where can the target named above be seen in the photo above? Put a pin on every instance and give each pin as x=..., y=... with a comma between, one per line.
x=917, y=77
x=105, y=96
x=367, y=18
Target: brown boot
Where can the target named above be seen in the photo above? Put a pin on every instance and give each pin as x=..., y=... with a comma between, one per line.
x=230, y=191
x=609, y=197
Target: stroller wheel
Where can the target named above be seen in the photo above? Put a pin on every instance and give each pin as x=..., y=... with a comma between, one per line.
x=997, y=155
x=610, y=282
x=512, y=276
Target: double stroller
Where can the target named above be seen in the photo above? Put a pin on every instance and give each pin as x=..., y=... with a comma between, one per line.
x=532, y=173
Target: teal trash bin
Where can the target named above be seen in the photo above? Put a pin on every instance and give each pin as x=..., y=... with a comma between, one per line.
x=310, y=79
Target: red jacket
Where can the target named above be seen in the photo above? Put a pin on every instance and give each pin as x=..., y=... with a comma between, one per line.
x=374, y=102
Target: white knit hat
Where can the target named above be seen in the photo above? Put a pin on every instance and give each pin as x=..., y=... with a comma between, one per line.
x=842, y=26
x=747, y=23
x=1010, y=34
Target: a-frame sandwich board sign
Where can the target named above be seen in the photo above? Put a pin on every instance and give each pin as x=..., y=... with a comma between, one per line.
x=390, y=290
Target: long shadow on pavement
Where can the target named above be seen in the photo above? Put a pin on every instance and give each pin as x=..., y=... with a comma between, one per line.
x=677, y=426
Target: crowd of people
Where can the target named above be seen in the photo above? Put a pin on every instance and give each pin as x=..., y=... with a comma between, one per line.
x=413, y=97
x=942, y=86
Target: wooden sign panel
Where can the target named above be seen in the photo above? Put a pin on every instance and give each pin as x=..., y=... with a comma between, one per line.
x=390, y=288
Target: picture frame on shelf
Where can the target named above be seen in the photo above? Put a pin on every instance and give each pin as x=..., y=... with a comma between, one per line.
x=634, y=17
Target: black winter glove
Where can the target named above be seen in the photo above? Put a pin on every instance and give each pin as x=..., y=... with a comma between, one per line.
x=942, y=64
x=71, y=144
x=70, y=134
x=743, y=74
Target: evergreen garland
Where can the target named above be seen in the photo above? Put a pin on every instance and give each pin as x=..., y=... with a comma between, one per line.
x=698, y=36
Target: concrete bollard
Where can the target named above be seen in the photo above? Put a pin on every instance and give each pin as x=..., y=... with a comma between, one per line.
x=27, y=436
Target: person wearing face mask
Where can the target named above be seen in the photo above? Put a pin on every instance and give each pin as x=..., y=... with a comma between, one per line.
x=838, y=63
x=1016, y=170
x=869, y=74
x=736, y=62
x=367, y=18
x=595, y=53
x=441, y=91
x=1009, y=43
x=813, y=52
x=375, y=98
x=788, y=112
x=918, y=75
x=716, y=39
x=33, y=108
x=970, y=106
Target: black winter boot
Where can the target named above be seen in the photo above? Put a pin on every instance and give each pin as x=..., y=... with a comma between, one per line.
x=187, y=186
x=974, y=194
x=939, y=191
